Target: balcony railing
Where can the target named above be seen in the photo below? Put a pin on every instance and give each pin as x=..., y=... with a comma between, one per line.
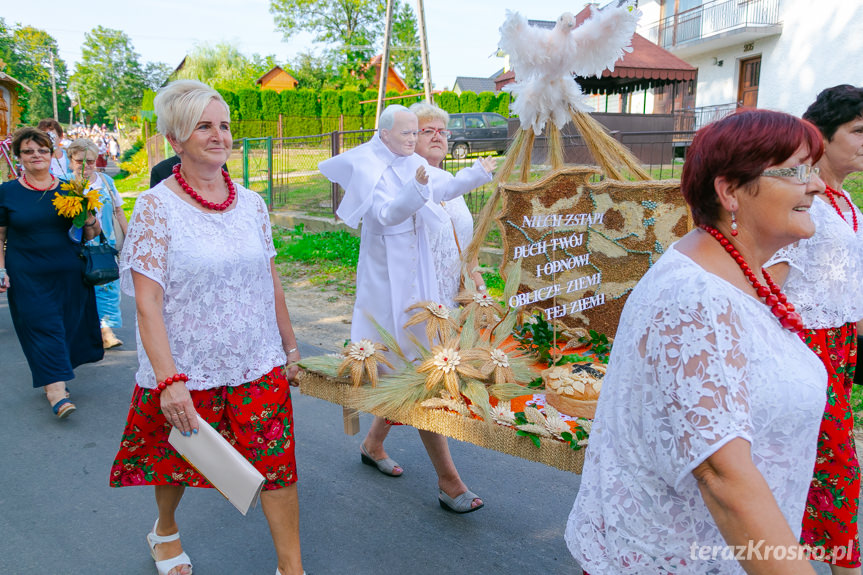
x=713, y=18
x=687, y=121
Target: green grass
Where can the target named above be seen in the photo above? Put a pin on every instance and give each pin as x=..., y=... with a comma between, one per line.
x=328, y=258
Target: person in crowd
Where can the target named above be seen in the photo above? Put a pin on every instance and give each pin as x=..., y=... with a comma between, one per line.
x=213, y=329
x=82, y=162
x=386, y=187
x=823, y=278
x=102, y=157
x=59, y=160
x=706, y=429
x=448, y=243
x=53, y=310
x=114, y=148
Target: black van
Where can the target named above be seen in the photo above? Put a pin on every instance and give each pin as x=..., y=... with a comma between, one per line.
x=477, y=132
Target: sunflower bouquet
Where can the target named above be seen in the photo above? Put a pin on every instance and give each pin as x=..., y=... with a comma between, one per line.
x=78, y=202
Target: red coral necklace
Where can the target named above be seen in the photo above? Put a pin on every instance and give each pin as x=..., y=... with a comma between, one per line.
x=772, y=295
x=34, y=188
x=831, y=195
x=232, y=193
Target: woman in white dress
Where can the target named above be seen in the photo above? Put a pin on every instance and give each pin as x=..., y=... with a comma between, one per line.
x=449, y=191
x=704, y=440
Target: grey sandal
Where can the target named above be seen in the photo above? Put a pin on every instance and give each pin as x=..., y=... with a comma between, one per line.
x=460, y=504
x=385, y=465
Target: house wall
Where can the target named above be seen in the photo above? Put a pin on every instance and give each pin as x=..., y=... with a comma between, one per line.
x=818, y=48
x=279, y=82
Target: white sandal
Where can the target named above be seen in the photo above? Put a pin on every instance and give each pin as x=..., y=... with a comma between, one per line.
x=164, y=567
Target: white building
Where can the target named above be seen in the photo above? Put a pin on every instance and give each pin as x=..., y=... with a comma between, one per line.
x=775, y=54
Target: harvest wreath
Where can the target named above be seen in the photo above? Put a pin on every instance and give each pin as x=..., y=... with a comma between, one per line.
x=483, y=366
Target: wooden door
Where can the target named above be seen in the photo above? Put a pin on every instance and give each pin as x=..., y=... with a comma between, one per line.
x=747, y=87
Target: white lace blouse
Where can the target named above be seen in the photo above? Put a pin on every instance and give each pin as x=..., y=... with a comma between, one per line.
x=447, y=259
x=825, y=279
x=696, y=363
x=214, y=268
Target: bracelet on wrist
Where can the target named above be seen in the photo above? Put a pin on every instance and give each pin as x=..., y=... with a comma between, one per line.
x=86, y=225
x=169, y=381
x=481, y=288
x=292, y=350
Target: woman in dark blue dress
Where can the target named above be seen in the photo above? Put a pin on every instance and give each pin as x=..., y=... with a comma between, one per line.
x=53, y=311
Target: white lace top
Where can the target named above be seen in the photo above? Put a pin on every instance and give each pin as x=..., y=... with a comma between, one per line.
x=447, y=259
x=218, y=308
x=696, y=363
x=825, y=280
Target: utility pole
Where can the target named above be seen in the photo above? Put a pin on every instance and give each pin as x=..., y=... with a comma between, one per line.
x=385, y=62
x=424, y=51
x=53, y=83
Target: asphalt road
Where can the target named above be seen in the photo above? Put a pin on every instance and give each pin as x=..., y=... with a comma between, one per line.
x=58, y=516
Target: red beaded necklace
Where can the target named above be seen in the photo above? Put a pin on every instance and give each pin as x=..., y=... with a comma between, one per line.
x=232, y=193
x=772, y=295
x=35, y=189
x=831, y=195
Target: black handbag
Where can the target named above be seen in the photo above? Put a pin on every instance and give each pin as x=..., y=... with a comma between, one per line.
x=100, y=262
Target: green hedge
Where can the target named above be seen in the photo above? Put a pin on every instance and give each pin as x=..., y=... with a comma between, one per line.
x=270, y=105
x=448, y=101
x=486, y=102
x=370, y=109
x=352, y=110
x=468, y=102
x=256, y=112
x=250, y=104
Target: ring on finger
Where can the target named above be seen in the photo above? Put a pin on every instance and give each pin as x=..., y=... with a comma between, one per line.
x=180, y=412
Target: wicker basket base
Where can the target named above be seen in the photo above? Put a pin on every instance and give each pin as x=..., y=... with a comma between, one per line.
x=571, y=407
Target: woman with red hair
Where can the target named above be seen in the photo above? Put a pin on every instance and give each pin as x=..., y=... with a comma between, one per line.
x=704, y=437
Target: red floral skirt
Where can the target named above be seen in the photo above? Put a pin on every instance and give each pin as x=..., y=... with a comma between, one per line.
x=830, y=520
x=256, y=418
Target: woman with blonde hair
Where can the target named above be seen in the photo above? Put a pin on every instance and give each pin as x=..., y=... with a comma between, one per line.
x=82, y=155
x=213, y=330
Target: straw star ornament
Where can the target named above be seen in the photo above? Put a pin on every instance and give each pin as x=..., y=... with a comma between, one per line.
x=364, y=355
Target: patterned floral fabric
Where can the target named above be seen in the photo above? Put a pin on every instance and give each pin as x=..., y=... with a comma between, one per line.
x=256, y=418
x=830, y=521
x=696, y=364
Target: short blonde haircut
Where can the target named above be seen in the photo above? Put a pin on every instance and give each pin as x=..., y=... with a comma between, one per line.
x=180, y=105
x=82, y=145
x=426, y=112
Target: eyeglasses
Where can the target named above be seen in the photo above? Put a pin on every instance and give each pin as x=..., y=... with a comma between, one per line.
x=802, y=173
x=430, y=133
x=88, y=162
x=409, y=133
x=34, y=151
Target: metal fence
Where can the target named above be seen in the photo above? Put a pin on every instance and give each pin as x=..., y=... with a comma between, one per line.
x=284, y=170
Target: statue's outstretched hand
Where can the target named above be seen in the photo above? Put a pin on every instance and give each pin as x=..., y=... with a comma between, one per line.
x=422, y=176
x=489, y=164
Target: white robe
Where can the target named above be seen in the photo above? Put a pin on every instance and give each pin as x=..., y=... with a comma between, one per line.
x=396, y=264
x=395, y=268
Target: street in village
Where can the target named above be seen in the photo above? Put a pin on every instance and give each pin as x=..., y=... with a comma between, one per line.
x=60, y=517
